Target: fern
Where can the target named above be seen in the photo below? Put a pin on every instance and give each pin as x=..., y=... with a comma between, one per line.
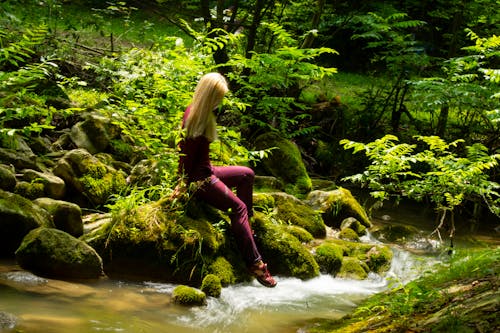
x=18, y=52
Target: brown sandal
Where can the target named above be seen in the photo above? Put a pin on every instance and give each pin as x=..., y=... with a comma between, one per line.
x=261, y=273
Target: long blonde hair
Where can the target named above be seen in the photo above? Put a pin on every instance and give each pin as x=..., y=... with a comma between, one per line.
x=208, y=94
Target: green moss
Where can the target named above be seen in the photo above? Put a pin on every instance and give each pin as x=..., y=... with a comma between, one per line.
x=353, y=268
x=211, y=285
x=285, y=163
x=99, y=185
x=185, y=295
x=263, y=201
x=31, y=190
x=329, y=257
x=294, y=212
x=284, y=252
x=354, y=224
x=223, y=270
x=379, y=258
x=341, y=204
x=300, y=233
x=348, y=234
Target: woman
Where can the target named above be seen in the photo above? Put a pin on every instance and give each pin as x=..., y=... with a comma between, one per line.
x=199, y=124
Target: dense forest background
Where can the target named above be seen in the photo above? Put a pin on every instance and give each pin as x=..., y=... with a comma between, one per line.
x=417, y=81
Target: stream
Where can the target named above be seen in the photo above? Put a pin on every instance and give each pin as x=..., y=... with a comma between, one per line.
x=51, y=306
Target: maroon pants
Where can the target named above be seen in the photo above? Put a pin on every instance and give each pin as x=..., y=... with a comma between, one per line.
x=218, y=194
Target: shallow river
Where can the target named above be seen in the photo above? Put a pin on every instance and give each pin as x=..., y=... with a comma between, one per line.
x=52, y=306
x=44, y=305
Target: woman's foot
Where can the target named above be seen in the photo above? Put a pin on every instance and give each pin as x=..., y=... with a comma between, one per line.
x=261, y=273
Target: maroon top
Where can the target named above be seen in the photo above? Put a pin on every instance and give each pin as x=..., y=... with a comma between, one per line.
x=194, y=159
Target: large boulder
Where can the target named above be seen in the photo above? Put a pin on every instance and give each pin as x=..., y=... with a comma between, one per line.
x=54, y=253
x=285, y=163
x=291, y=211
x=151, y=241
x=67, y=216
x=88, y=177
x=336, y=206
x=285, y=254
x=18, y=216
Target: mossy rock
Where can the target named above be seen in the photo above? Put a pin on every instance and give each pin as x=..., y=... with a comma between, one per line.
x=263, y=201
x=285, y=163
x=379, y=258
x=338, y=205
x=348, y=234
x=284, y=252
x=88, y=177
x=353, y=268
x=329, y=257
x=189, y=296
x=18, y=216
x=211, y=285
x=300, y=233
x=292, y=211
x=54, y=253
x=150, y=241
x=224, y=270
x=353, y=224
x=7, y=178
x=30, y=190
x=395, y=233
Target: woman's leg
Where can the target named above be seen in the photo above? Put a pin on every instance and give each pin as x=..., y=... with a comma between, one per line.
x=220, y=196
x=241, y=178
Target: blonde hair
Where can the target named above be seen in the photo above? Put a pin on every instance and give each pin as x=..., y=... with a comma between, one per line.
x=208, y=94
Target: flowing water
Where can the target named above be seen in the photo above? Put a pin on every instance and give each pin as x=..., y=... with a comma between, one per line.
x=51, y=306
x=44, y=305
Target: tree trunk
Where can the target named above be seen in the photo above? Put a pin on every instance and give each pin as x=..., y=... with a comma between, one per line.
x=252, y=33
x=443, y=120
x=308, y=41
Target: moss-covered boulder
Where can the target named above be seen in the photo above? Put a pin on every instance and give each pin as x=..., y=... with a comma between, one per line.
x=53, y=186
x=88, y=177
x=7, y=178
x=30, y=190
x=211, y=285
x=329, y=257
x=18, y=216
x=292, y=211
x=353, y=268
x=284, y=253
x=155, y=242
x=54, y=253
x=300, y=233
x=67, y=216
x=224, y=270
x=395, y=233
x=189, y=296
x=377, y=257
x=353, y=224
x=336, y=206
x=348, y=234
x=284, y=162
